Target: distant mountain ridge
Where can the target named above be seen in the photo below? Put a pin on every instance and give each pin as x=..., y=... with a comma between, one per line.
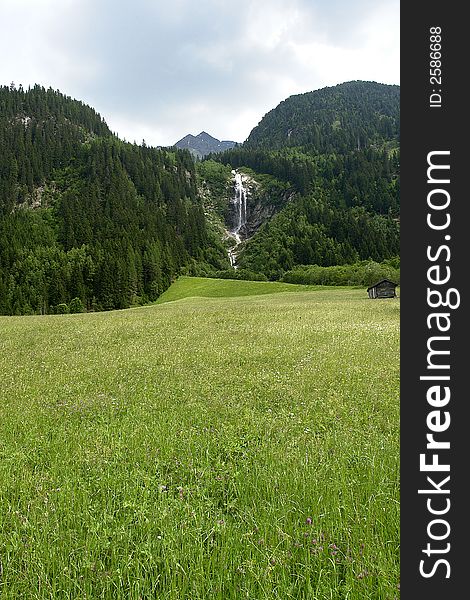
x=202, y=144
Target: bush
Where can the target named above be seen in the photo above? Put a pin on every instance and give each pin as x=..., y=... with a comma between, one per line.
x=365, y=273
x=62, y=309
x=76, y=306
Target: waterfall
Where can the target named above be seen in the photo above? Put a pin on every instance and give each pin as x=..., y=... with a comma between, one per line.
x=239, y=202
x=240, y=205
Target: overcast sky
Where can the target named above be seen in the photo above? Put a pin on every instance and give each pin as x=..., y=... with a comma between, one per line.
x=159, y=69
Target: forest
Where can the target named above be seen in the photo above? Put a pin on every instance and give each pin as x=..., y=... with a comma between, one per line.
x=88, y=222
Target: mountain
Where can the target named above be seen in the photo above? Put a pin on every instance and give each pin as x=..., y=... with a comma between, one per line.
x=338, y=151
x=87, y=220
x=90, y=222
x=348, y=116
x=203, y=144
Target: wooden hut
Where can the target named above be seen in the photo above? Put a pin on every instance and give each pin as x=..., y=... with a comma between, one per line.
x=382, y=289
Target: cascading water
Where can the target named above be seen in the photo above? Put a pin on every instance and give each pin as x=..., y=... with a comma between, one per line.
x=239, y=202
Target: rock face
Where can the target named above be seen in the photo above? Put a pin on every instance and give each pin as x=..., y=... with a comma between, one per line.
x=40, y=197
x=202, y=144
x=260, y=206
x=257, y=215
x=249, y=207
x=260, y=210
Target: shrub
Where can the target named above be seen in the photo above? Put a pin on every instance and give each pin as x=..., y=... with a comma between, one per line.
x=76, y=306
x=365, y=273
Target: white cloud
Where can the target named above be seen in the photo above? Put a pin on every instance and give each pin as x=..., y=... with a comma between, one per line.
x=159, y=70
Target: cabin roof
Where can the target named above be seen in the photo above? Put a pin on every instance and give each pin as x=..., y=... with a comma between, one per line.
x=382, y=281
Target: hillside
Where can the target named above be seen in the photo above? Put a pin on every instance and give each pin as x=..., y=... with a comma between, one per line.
x=87, y=217
x=348, y=116
x=203, y=287
x=337, y=149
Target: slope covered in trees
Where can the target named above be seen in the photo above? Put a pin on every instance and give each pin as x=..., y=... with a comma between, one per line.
x=339, y=150
x=348, y=116
x=90, y=222
x=87, y=217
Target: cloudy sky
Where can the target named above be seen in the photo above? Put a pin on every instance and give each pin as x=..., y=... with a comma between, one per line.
x=159, y=69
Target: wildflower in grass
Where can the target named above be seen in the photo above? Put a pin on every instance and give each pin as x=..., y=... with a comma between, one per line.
x=308, y=521
x=333, y=549
x=362, y=574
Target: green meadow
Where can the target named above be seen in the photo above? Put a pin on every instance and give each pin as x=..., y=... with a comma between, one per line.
x=236, y=440
x=203, y=287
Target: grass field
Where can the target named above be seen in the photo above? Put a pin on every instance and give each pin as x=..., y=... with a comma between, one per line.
x=203, y=287
x=235, y=447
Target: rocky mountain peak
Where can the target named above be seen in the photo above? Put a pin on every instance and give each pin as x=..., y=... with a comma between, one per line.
x=203, y=143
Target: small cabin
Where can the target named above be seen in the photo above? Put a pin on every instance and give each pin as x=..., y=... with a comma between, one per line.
x=382, y=289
